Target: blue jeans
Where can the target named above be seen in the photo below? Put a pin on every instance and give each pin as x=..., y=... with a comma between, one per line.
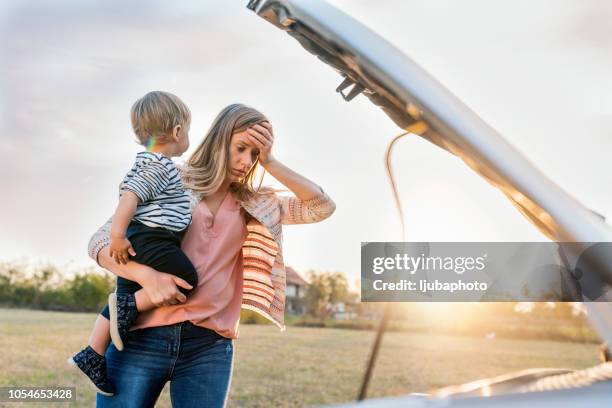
x=197, y=361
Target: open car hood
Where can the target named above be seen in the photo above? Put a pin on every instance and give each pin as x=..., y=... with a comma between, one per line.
x=412, y=97
x=418, y=103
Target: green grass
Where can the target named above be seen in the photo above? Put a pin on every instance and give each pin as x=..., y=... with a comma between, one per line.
x=300, y=367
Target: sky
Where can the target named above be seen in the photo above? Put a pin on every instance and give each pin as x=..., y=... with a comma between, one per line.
x=538, y=71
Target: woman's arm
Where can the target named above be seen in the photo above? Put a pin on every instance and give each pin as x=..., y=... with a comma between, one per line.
x=299, y=185
x=160, y=287
x=304, y=189
x=296, y=211
x=311, y=203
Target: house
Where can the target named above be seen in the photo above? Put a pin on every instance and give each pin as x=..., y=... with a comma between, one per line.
x=295, y=292
x=341, y=311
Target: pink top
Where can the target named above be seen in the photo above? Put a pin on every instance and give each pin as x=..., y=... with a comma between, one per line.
x=214, y=246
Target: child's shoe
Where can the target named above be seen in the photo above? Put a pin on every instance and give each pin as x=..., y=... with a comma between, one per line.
x=93, y=365
x=123, y=313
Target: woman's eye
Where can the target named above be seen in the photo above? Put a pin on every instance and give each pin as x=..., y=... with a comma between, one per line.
x=241, y=149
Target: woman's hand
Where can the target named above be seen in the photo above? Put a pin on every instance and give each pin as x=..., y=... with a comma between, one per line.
x=162, y=290
x=261, y=135
x=160, y=287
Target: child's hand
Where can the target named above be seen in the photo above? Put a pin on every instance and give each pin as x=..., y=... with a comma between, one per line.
x=120, y=249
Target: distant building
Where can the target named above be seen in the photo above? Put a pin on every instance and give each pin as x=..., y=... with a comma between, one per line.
x=342, y=312
x=295, y=292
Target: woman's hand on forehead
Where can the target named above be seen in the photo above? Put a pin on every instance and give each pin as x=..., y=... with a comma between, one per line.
x=262, y=137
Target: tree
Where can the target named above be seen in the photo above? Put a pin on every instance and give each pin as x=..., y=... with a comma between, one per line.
x=324, y=290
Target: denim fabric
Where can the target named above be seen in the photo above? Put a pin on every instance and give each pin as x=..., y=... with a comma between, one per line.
x=197, y=361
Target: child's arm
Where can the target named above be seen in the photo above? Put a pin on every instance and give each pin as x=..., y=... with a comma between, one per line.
x=145, y=184
x=120, y=246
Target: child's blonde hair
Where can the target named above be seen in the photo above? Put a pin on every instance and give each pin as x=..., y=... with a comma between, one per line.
x=156, y=114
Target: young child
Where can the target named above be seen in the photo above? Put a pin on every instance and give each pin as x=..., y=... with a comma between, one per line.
x=149, y=222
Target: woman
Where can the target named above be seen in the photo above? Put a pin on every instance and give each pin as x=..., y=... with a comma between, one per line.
x=235, y=243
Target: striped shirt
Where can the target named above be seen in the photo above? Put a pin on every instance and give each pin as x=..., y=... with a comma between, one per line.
x=162, y=200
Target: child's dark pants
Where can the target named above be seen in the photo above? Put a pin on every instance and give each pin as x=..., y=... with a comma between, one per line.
x=160, y=249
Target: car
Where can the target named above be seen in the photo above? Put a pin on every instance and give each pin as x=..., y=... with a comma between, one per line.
x=419, y=104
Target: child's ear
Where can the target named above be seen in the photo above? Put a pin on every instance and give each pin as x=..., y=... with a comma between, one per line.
x=175, y=133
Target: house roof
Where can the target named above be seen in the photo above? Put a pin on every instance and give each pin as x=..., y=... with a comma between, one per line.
x=294, y=278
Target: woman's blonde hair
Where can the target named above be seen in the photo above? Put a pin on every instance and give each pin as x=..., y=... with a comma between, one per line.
x=208, y=166
x=156, y=114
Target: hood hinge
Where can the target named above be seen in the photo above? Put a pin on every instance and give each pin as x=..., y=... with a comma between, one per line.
x=356, y=90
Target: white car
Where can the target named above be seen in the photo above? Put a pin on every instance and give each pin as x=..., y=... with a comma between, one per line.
x=419, y=104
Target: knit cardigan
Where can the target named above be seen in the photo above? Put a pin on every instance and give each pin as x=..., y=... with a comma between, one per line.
x=264, y=276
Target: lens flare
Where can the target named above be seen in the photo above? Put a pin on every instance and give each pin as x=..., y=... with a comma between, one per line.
x=150, y=143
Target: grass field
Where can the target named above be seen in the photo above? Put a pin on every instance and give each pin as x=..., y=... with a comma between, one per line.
x=300, y=367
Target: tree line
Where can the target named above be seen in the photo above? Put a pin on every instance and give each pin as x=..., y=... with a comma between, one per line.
x=45, y=287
